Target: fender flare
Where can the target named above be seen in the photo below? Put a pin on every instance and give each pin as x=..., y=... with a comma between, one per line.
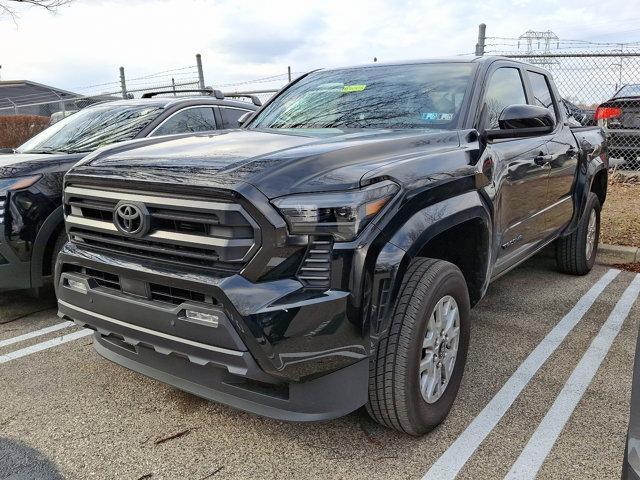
x=584, y=185
x=49, y=227
x=413, y=235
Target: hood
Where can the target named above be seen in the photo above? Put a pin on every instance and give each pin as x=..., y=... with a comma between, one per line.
x=276, y=162
x=23, y=164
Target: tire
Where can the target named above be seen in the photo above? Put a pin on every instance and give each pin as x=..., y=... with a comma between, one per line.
x=395, y=396
x=572, y=255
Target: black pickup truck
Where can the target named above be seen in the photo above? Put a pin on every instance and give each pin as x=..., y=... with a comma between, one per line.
x=326, y=255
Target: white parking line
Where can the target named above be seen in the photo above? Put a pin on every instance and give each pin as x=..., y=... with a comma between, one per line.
x=37, y=333
x=459, y=452
x=547, y=433
x=38, y=347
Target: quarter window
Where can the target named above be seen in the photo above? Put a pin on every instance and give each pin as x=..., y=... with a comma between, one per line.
x=541, y=92
x=505, y=88
x=188, y=120
x=230, y=116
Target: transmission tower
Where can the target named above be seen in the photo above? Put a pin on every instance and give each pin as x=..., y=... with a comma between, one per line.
x=536, y=41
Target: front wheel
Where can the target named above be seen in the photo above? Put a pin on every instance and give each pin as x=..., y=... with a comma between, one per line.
x=417, y=369
x=576, y=253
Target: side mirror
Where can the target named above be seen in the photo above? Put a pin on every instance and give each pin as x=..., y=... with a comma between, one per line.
x=522, y=121
x=243, y=118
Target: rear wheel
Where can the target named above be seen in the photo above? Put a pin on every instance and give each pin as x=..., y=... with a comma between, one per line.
x=576, y=253
x=417, y=369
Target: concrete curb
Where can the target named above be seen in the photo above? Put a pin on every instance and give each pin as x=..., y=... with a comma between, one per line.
x=612, y=254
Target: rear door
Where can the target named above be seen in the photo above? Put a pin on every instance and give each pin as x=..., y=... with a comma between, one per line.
x=519, y=186
x=562, y=155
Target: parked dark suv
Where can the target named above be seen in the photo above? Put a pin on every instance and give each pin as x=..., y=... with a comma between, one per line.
x=31, y=221
x=326, y=255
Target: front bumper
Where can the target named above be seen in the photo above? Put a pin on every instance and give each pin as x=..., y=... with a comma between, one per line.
x=272, y=352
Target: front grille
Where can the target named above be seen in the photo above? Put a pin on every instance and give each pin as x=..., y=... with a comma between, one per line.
x=214, y=234
x=176, y=296
x=157, y=292
x=103, y=279
x=315, y=271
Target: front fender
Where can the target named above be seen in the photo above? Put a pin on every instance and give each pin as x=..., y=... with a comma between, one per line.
x=412, y=238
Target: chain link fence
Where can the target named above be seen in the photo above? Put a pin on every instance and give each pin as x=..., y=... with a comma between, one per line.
x=44, y=102
x=599, y=82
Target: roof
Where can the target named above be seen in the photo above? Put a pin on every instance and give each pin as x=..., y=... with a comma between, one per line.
x=165, y=102
x=459, y=59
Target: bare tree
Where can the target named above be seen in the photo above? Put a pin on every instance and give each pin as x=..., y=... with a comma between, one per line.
x=8, y=7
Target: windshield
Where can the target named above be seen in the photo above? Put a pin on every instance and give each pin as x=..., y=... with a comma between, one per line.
x=390, y=97
x=628, y=91
x=92, y=128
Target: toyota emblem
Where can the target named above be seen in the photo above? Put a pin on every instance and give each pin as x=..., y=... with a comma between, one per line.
x=131, y=219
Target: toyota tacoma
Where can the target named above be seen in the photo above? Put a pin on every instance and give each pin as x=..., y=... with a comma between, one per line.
x=325, y=256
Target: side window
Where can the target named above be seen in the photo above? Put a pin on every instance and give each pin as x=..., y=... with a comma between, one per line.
x=198, y=119
x=230, y=116
x=505, y=88
x=541, y=91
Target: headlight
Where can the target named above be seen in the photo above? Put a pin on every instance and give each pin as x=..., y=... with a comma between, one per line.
x=17, y=183
x=341, y=214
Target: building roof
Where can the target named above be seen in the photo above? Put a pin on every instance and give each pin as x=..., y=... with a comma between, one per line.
x=24, y=92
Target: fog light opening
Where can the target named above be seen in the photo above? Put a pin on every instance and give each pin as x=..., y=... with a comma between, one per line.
x=204, y=318
x=76, y=285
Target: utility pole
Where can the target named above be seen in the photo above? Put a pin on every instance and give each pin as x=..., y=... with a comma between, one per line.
x=289, y=73
x=123, y=83
x=482, y=37
x=200, y=72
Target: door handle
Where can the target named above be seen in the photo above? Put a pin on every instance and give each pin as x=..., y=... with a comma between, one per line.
x=542, y=160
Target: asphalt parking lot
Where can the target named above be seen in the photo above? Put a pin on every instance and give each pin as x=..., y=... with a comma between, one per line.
x=67, y=413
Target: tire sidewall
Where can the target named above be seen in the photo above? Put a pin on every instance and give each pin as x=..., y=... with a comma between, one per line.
x=451, y=282
x=593, y=203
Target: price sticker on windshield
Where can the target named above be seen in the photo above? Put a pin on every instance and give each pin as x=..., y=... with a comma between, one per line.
x=353, y=88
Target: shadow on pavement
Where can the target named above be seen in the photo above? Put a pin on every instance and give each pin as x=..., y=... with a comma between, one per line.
x=18, y=304
x=20, y=462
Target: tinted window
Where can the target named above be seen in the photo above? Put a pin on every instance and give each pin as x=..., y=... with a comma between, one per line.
x=198, y=119
x=505, y=88
x=391, y=96
x=93, y=127
x=541, y=92
x=230, y=116
x=628, y=91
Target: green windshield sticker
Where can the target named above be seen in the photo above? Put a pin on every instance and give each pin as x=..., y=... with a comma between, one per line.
x=353, y=88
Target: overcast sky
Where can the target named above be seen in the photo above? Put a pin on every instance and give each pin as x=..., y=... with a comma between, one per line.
x=85, y=42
